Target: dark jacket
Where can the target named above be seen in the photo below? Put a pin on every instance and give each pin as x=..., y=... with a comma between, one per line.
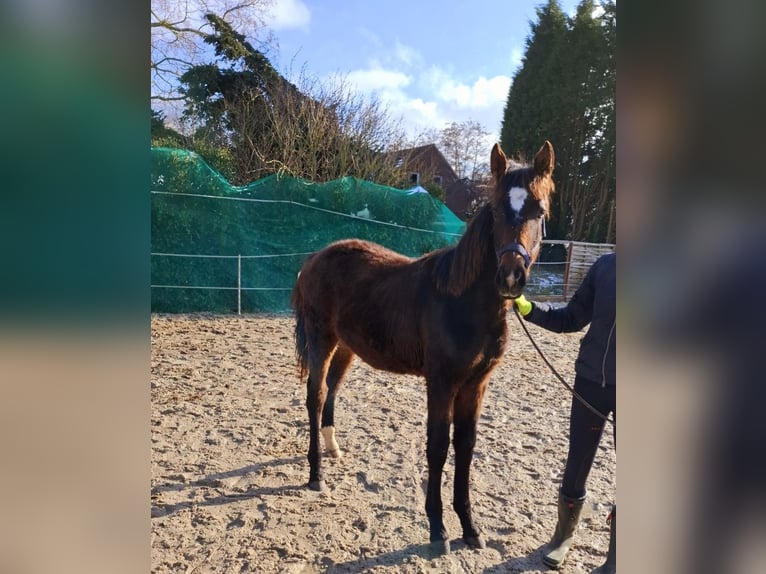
x=594, y=303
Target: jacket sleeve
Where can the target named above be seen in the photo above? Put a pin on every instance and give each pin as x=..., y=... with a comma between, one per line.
x=571, y=317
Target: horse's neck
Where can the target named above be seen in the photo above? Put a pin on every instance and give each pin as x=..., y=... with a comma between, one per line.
x=472, y=260
x=477, y=243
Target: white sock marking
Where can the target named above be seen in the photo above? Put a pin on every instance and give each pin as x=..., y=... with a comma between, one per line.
x=330, y=443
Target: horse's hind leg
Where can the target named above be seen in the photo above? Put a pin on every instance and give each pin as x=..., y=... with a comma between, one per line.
x=466, y=410
x=340, y=363
x=320, y=348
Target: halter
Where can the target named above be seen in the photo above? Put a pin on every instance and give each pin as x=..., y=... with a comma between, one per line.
x=520, y=249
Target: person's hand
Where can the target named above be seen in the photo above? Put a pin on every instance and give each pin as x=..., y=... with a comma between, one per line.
x=524, y=306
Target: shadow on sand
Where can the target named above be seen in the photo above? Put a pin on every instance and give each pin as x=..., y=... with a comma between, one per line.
x=527, y=563
x=532, y=562
x=215, y=481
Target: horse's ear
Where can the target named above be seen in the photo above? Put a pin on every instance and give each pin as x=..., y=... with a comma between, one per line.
x=497, y=162
x=544, y=160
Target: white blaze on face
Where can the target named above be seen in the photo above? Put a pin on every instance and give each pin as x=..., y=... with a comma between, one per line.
x=517, y=196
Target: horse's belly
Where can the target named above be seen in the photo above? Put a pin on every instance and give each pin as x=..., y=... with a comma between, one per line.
x=385, y=363
x=386, y=356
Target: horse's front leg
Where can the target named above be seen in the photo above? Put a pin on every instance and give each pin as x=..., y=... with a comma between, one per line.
x=436, y=452
x=466, y=410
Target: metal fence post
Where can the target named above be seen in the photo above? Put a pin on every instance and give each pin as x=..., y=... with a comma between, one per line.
x=239, y=284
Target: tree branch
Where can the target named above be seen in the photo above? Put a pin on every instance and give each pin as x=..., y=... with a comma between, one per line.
x=160, y=98
x=173, y=28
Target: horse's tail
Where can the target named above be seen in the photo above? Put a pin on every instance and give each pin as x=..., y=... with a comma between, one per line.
x=301, y=342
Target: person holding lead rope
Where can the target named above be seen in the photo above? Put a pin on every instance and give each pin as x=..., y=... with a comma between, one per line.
x=593, y=303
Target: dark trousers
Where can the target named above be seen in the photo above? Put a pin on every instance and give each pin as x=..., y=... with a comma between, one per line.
x=585, y=430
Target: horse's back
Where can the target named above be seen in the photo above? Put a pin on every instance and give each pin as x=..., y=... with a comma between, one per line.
x=347, y=263
x=361, y=251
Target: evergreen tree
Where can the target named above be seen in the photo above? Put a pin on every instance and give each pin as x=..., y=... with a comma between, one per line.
x=591, y=184
x=565, y=92
x=533, y=106
x=163, y=135
x=603, y=226
x=238, y=91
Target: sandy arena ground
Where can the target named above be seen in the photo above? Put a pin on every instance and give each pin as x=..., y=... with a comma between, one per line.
x=229, y=441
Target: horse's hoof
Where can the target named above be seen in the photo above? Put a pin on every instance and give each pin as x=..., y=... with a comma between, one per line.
x=475, y=541
x=337, y=453
x=318, y=485
x=438, y=548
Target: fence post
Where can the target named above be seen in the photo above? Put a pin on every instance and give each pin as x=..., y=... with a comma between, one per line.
x=567, y=269
x=239, y=284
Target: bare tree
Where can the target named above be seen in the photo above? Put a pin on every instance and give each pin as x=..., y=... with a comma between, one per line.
x=465, y=145
x=178, y=29
x=425, y=137
x=321, y=131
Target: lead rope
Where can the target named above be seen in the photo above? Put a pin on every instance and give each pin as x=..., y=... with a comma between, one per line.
x=569, y=387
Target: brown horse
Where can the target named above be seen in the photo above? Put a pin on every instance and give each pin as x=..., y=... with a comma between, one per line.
x=442, y=316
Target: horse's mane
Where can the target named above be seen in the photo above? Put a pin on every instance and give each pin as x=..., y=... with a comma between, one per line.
x=456, y=268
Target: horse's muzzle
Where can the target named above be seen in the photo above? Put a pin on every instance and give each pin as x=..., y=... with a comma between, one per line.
x=512, y=264
x=511, y=285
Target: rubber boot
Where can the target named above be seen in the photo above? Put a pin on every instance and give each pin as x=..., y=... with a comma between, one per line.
x=569, y=515
x=610, y=566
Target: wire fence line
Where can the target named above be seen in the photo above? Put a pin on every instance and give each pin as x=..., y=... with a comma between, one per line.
x=239, y=288
x=203, y=256
x=222, y=288
x=291, y=202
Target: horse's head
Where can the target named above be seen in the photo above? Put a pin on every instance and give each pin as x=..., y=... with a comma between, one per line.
x=519, y=206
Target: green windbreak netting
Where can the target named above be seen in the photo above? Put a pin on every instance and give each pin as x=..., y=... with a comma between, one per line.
x=218, y=247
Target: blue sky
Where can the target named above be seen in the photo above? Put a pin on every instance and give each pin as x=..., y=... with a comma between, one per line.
x=430, y=62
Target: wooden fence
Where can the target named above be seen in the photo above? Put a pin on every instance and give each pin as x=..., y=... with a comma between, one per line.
x=580, y=256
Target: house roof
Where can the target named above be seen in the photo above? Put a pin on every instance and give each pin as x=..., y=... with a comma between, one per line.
x=426, y=159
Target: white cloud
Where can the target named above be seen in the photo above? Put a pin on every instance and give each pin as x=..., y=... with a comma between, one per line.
x=432, y=98
x=484, y=92
x=434, y=79
x=377, y=79
x=406, y=54
x=418, y=115
x=391, y=87
x=288, y=14
x=427, y=110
